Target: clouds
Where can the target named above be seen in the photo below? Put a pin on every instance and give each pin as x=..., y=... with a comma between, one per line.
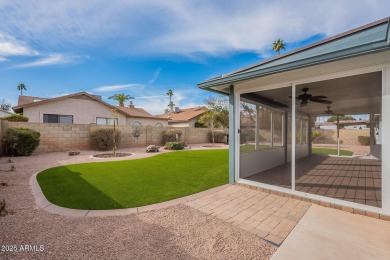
x=9, y=46
x=113, y=88
x=178, y=27
x=49, y=60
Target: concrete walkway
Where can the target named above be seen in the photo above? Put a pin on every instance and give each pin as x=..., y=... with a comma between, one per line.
x=326, y=233
x=266, y=215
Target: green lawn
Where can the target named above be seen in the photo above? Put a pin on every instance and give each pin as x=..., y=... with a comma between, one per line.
x=331, y=151
x=251, y=147
x=133, y=183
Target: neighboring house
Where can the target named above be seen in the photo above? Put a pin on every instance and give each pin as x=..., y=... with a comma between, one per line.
x=4, y=113
x=186, y=117
x=83, y=108
x=344, y=124
x=352, y=72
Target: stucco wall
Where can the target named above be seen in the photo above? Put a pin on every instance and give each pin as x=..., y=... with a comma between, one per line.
x=190, y=123
x=83, y=111
x=146, y=121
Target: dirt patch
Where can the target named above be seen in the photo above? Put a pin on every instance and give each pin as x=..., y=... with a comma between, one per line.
x=111, y=155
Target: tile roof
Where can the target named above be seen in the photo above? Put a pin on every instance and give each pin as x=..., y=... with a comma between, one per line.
x=138, y=112
x=185, y=114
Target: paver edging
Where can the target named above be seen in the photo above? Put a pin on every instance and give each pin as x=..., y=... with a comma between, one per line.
x=43, y=203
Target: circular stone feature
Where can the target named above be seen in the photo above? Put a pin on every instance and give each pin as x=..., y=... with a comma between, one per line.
x=111, y=155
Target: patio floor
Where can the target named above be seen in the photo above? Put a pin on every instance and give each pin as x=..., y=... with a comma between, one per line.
x=266, y=215
x=351, y=179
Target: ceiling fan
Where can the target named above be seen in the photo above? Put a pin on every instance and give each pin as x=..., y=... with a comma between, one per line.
x=305, y=97
x=329, y=112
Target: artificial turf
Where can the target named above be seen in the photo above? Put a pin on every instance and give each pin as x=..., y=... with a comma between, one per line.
x=134, y=183
x=331, y=151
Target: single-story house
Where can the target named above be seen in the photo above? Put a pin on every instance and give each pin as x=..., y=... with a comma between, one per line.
x=350, y=71
x=83, y=108
x=186, y=117
x=344, y=124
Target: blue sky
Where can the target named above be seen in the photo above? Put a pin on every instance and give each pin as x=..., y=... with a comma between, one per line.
x=145, y=47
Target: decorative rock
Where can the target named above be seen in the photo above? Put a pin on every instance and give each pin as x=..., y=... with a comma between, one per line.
x=73, y=152
x=152, y=148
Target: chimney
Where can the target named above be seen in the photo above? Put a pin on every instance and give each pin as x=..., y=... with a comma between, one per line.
x=177, y=109
x=131, y=105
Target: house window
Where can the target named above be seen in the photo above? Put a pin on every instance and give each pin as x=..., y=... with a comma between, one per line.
x=158, y=124
x=106, y=121
x=62, y=119
x=136, y=123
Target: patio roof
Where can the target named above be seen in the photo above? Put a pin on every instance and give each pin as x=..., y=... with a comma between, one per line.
x=370, y=38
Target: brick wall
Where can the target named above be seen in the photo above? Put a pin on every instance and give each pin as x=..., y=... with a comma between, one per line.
x=64, y=137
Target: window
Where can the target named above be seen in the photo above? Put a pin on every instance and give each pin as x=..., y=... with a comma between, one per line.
x=62, y=119
x=106, y=121
x=158, y=124
x=136, y=123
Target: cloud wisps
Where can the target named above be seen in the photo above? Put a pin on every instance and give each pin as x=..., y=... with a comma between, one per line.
x=49, y=60
x=111, y=88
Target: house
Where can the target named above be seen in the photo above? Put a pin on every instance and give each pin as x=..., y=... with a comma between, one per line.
x=344, y=124
x=83, y=108
x=350, y=72
x=186, y=117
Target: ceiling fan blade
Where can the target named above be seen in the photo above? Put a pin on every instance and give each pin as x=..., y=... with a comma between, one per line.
x=321, y=101
x=304, y=103
x=319, y=97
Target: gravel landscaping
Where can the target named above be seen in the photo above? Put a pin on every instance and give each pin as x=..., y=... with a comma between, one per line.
x=178, y=232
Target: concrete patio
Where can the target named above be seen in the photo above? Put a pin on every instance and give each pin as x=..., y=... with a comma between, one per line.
x=351, y=179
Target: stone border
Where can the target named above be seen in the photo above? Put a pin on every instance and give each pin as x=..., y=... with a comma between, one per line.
x=98, y=158
x=43, y=203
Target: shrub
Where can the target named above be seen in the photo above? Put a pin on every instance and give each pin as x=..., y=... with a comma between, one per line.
x=219, y=136
x=21, y=141
x=103, y=139
x=364, y=140
x=15, y=118
x=174, y=146
x=170, y=136
x=315, y=134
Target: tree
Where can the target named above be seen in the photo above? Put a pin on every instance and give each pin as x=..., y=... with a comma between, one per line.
x=166, y=110
x=21, y=87
x=171, y=104
x=5, y=106
x=334, y=118
x=278, y=45
x=217, y=114
x=121, y=98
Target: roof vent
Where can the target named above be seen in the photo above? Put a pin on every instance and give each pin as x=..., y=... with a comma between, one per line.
x=131, y=105
x=177, y=109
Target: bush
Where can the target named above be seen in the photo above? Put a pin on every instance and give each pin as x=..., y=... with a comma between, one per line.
x=170, y=136
x=103, y=139
x=315, y=134
x=21, y=141
x=219, y=136
x=364, y=140
x=15, y=118
x=174, y=146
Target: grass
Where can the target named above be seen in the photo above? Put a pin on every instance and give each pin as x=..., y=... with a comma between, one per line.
x=133, y=183
x=251, y=147
x=331, y=151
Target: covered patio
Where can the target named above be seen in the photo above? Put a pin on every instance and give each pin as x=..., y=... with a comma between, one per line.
x=276, y=106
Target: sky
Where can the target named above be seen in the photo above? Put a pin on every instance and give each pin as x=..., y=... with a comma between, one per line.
x=145, y=47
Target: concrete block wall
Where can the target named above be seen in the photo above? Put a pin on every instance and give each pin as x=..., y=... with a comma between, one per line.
x=347, y=136
x=64, y=137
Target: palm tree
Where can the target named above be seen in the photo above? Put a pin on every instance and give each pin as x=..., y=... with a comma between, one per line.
x=278, y=45
x=170, y=94
x=171, y=105
x=121, y=98
x=20, y=87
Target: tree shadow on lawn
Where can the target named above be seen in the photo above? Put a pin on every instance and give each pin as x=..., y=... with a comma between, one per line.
x=69, y=189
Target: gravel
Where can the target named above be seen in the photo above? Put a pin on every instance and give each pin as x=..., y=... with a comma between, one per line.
x=178, y=232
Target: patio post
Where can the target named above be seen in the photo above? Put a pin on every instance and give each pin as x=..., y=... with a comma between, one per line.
x=372, y=133
x=232, y=134
x=338, y=135
x=257, y=128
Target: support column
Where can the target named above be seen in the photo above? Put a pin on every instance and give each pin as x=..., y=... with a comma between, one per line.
x=272, y=130
x=284, y=141
x=232, y=134
x=293, y=137
x=257, y=128
x=308, y=137
x=338, y=135
x=386, y=139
